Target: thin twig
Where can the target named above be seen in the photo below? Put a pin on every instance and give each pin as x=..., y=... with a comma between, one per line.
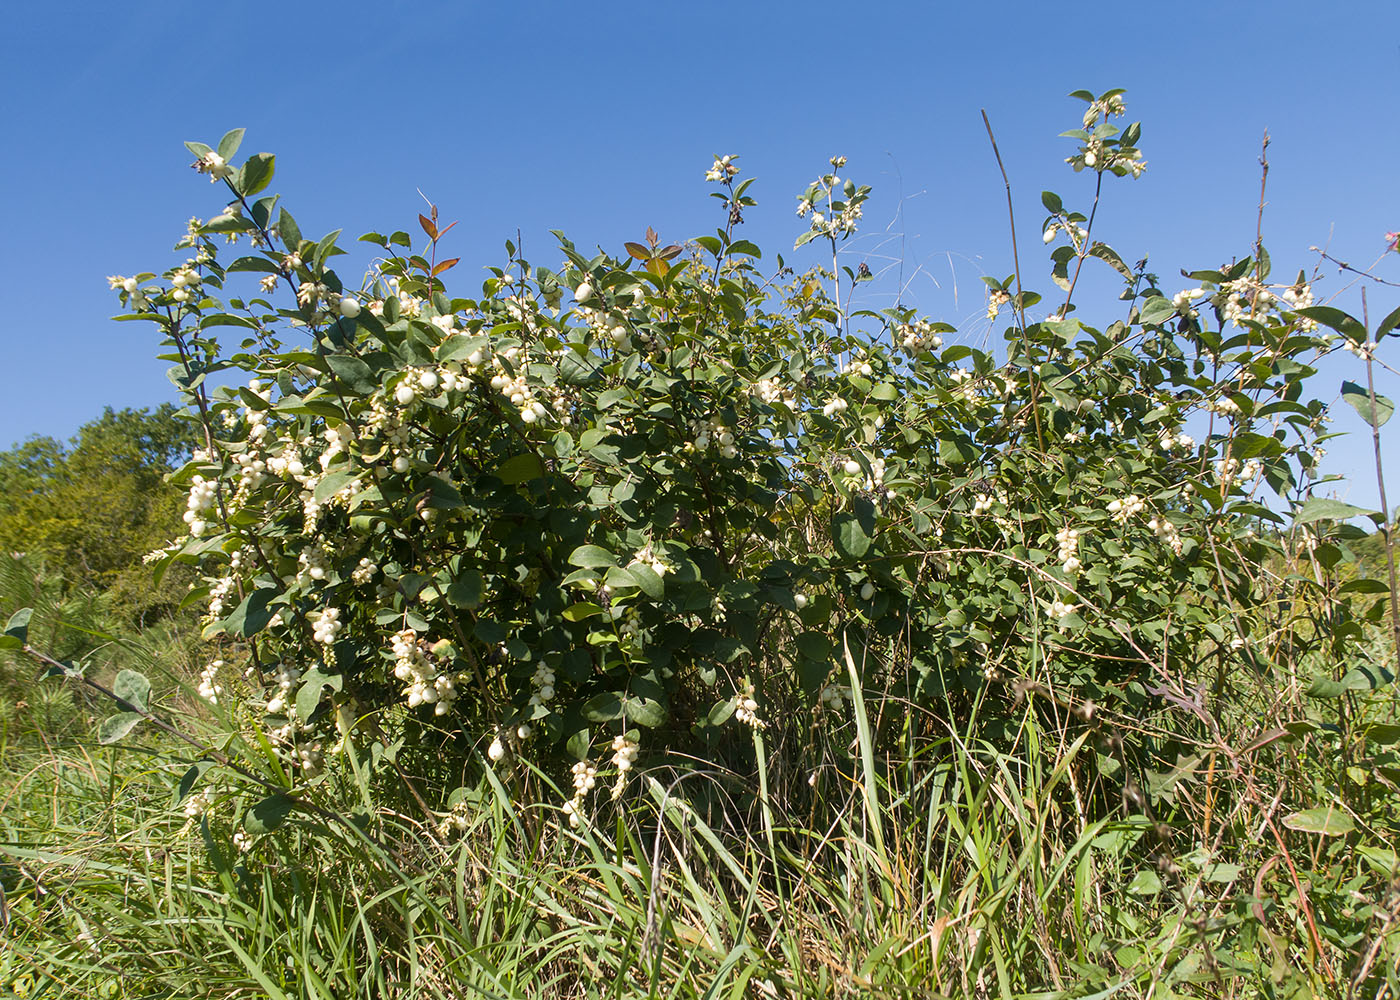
x=1387, y=526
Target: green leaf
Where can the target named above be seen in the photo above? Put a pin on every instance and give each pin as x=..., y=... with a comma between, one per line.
x=603, y=707
x=1388, y=324
x=353, y=372
x=1343, y=323
x=1052, y=202
x=646, y=712
x=591, y=557
x=18, y=625
x=520, y=468
x=1145, y=883
x=1321, y=508
x=956, y=449
x=269, y=814
x=1108, y=255
x=581, y=610
x=115, y=727
x=332, y=483
x=228, y=145
x=648, y=580
x=309, y=695
x=188, y=779
x=1328, y=821
x=132, y=689
x=442, y=495
x=287, y=229
x=1355, y=679
x=255, y=174
x=251, y=616
x=465, y=590
x=849, y=536
x=1156, y=310
x=1360, y=399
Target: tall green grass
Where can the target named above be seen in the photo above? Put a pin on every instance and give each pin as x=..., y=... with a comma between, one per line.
x=930, y=855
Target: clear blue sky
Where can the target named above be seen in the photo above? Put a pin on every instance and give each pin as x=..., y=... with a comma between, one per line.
x=600, y=119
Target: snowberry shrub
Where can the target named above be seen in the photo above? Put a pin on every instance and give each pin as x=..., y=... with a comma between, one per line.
x=615, y=503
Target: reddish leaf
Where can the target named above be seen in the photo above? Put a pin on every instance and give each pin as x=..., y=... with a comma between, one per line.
x=429, y=226
x=638, y=251
x=445, y=265
x=670, y=252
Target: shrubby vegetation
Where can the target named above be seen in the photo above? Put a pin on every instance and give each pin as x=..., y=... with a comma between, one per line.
x=658, y=624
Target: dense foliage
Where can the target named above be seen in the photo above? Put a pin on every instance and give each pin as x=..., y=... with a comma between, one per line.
x=1004, y=618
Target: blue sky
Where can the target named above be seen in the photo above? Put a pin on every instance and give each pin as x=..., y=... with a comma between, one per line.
x=600, y=120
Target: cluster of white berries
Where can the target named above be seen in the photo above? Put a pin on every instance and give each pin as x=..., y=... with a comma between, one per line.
x=585, y=778
x=242, y=841
x=1059, y=609
x=1183, y=301
x=209, y=687
x=1230, y=469
x=286, y=679
x=426, y=684
x=313, y=563
x=1166, y=532
x=983, y=502
x=409, y=306
x=517, y=388
x=201, y=498
x=917, y=337
x=1299, y=296
x=746, y=706
x=1225, y=406
x=135, y=298
x=363, y=572
x=624, y=756
x=1123, y=508
x=197, y=804
x=996, y=298
x=1365, y=352
x=327, y=626
x=1077, y=233
x=183, y=284
x=1170, y=440
x=1241, y=298
x=542, y=680
x=834, y=406
x=832, y=697
x=219, y=591
x=712, y=430
x=773, y=391
x=964, y=386
x=1068, y=539
x=648, y=557
x=857, y=364
x=876, y=479
x=724, y=168
x=844, y=215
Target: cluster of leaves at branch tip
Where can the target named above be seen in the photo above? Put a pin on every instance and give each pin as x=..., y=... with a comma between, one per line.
x=614, y=497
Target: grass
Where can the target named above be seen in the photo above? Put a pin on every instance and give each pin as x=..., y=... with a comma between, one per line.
x=937, y=862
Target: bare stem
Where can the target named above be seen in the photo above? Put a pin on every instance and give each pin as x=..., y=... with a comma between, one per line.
x=1387, y=525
